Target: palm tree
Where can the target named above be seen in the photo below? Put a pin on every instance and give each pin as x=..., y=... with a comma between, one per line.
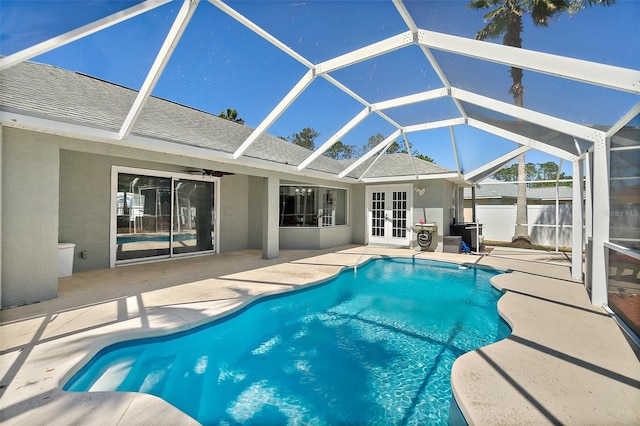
x=505, y=20
x=231, y=115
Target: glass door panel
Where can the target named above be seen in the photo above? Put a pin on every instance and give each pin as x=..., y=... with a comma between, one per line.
x=399, y=215
x=143, y=216
x=194, y=216
x=377, y=225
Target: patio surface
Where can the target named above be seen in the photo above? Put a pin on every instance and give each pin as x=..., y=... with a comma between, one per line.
x=565, y=362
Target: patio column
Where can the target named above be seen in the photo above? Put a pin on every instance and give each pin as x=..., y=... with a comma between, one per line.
x=577, y=219
x=270, y=228
x=600, y=222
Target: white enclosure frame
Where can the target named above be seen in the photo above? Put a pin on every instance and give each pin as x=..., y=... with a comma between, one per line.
x=591, y=73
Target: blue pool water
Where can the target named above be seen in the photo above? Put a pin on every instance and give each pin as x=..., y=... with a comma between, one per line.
x=373, y=346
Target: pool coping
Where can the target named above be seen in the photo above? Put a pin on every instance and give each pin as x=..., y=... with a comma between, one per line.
x=38, y=369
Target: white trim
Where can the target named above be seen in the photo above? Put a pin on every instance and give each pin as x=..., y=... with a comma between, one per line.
x=78, y=33
x=113, y=234
x=560, y=66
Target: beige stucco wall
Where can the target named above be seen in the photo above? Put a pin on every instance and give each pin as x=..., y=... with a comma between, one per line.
x=434, y=206
x=234, y=213
x=30, y=166
x=59, y=189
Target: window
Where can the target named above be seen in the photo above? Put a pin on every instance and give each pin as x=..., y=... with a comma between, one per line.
x=161, y=216
x=312, y=206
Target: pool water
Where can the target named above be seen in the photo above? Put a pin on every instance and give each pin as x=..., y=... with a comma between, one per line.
x=372, y=346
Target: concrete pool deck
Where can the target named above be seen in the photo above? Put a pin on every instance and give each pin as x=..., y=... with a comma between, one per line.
x=565, y=362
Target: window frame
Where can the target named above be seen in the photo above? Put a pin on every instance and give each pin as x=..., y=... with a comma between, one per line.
x=173, y=176
x=317, y=203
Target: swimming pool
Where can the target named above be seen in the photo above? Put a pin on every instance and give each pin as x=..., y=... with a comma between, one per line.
x=371, y=346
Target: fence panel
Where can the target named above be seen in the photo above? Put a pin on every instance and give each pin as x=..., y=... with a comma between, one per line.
x=500, y=220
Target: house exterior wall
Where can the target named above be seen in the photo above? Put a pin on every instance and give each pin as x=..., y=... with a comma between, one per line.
x=358, y=214
x=85, y=194
x=30, y=170
x=434, y=206
x=255, y=212
x=69, y=184
x=234, y=213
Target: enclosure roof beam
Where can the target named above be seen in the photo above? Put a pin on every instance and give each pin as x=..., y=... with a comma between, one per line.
x=493, y=166
x=411, y=99
x=434, y=125
x=371, y=51
x=454, y=148
x=173, y=37
x=371, y=153
x=293, y=94
x=522, y=140
x=544, y=120
x=78, y=33
x=262, y=33
x=357, y=97
x=336, y=137
x=446, y=175
x=613, y=77
x=630, y=115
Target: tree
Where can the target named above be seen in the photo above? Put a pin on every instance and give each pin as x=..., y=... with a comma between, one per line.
x=423, y=157
x=535, y=171
x=340, y=151
x=306, y=138
x=505, y=20
x=394, y=148
x=231, y=115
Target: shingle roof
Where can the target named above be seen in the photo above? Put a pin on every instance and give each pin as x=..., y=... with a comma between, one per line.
x=53, y=93
x=398, y=165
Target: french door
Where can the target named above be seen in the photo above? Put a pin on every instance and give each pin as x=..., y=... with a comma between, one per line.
x=389, y=215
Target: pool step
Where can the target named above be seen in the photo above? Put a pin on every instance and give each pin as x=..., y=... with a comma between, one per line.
x=186, y=373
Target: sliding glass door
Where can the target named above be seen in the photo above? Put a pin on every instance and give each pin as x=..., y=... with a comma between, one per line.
x=162, y=216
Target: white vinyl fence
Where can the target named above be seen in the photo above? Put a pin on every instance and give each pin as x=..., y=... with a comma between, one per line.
x=499, y=223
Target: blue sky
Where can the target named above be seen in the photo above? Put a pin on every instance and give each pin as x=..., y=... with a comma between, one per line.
x=220, y=64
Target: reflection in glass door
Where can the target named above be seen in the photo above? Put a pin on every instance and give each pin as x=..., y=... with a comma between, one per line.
x=193, y=224
x=163, y=216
